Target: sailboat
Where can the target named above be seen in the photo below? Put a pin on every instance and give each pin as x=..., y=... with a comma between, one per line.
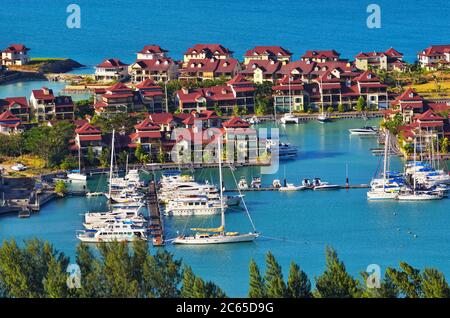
x=218, y=235
x=76, y=175
x=323, y=117
x=289, y=118
x=382, y=192
x=414, y=194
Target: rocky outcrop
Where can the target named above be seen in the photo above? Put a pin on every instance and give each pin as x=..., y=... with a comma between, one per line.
x=59, y=66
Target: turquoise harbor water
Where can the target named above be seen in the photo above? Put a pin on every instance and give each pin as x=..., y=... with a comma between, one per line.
x=295, y=226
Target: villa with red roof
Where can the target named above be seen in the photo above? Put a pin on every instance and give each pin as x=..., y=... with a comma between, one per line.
x=117, y=98
x=409, y=103
x=88, y=136
x=15, y=54
x=47, y=106
x=148, y=135
x=151, y=52
x=321, y=56
x=111, y=70
x=275, y=53
x=237, y=92
x=9, y=124
x=151, y=96
x=260, y=71
x=206, y=51
x=209, y=69
x=18, y=106
x=289, y=94
x=158, y=70
x=388, y=60
x=435, y=56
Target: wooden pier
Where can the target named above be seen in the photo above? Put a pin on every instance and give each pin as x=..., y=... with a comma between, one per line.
x=350, y=186
x=155, y=222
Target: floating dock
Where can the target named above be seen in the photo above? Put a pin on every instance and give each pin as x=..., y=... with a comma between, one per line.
x=350, y=186
x=155, y=222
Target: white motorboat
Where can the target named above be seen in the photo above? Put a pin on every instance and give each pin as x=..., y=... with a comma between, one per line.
x=364, y=131
x=291, y=187
x=289, y=118
x=19, y=167
x=93, y=217
x=233, y=200
x=318, y=184
x=199, y=205
x=113, y=232
x=281, y=150
x=254, y=120
x=256, y=183
x=243, y=185
x=218, y=235
x=138, y=221
x=276, y=183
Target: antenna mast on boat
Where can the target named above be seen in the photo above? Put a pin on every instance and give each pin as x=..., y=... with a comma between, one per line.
x=112, y=163
x=222, y=210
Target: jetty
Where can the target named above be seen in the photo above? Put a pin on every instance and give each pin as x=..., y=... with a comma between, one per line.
x=271, y=188
x=155, y=221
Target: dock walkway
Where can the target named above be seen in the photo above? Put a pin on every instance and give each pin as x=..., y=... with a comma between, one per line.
x=155, y=222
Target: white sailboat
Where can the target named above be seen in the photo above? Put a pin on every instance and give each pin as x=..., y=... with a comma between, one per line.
x=415, y=195
x=382, y=193
x=323, y=117
x=289, y=118
x=77, y=175
x=218, y=235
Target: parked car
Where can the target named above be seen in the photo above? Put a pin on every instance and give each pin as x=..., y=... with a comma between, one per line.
x=19, y=167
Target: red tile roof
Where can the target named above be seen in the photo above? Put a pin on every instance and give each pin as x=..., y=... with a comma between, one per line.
x=41, y=94
x=148, y=83
x=161, y=65
x=268, y=50
x=87, y=129
x=434, y=50
x=15, y=48
x=7, y=116
x=236, y=122
x=161, y=118
x=267, y=66
x=409, y=95
x=322, y=54
x=155, y=49
x=209, y=49
x=108, y=63
x=11, y=101
x=147, y=124
x=367, y=76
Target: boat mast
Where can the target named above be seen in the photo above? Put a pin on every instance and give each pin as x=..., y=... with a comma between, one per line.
x=79, y=158
x=111, y=165
x=222, y=210
x=414, y=184
x=386, y=145
x=290, y=95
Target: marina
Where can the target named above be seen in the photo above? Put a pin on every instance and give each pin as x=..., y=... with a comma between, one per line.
x=362, y=231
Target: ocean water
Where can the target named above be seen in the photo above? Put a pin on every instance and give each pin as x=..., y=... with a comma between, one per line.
x=119, y=28
x=294, y=226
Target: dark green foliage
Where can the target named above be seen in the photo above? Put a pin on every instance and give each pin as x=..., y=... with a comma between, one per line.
x=335, y=282
x=275, y=286
x=257, y=286
x=49, y=143
x=298, y=284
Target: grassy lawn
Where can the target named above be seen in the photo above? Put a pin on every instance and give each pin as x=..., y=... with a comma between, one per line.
x=429, y=89
x=35, y=166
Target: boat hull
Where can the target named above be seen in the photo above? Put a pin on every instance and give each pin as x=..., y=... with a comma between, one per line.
x=76, y=177
x=220, y=239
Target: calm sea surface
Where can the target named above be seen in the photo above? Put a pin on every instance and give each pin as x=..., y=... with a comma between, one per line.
x=295, y=226
x=120, y=28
